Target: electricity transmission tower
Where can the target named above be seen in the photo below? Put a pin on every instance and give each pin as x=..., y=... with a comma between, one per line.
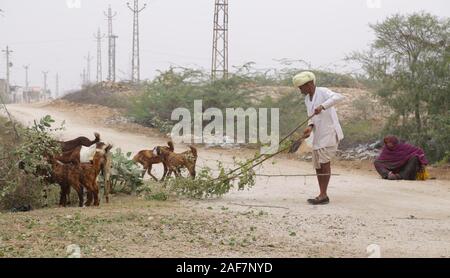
x=99, y=37
x=87, y=78
x=220, y=41
x=111, y=46
x=45, y=84
x=27, y=84
x=8, y=66
x=135, y=63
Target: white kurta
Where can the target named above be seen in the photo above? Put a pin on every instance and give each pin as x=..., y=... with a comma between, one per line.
x=327, y=130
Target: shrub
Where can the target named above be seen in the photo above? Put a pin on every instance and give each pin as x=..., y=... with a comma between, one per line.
x=153, y=191
x=125, y=174
x=26, y=187
x=360, y=132
x=210, y=185
x=174, y=89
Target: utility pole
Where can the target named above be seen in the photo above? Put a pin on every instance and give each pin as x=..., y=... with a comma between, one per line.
x=8, y=65
x=27, y=84
x=219, y=67
x=45, y=83
x=57, y=86
x=135, y=63
x=83, y=78
x=88, y=69
x=99, y=37
x=111, y=46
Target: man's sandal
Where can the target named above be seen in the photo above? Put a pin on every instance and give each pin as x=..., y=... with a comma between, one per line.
x=318, y=201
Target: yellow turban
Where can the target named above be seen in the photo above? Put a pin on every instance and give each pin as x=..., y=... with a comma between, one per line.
x=303, y=78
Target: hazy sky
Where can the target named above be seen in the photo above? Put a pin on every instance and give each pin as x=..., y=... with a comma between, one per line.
x=49, y=35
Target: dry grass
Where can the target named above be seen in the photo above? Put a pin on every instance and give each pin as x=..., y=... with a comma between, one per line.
x=130, y=227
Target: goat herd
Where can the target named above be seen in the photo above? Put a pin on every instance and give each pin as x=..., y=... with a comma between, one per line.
x=82, y=160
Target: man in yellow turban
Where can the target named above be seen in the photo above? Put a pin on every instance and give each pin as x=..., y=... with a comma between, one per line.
x=327, y=131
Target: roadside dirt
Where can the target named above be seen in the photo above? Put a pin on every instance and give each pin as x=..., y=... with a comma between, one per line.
x=405, y=219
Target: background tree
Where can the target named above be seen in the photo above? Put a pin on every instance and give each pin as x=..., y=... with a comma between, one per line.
x=410, y=60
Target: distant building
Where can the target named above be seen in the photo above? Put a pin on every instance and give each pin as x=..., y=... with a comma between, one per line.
x=20, y=94
x=3, y=91
x=17, y=94
x=33, y=94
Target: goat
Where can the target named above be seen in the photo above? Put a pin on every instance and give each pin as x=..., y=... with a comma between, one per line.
x=146, y=158
x=80, y=141
x=90, y=172
x=65, y=168
x=66, y=175
x=82, y=154
x=176, y=161
x=70, y=150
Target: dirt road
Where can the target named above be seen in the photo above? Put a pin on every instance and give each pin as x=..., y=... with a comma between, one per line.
x=402, y=219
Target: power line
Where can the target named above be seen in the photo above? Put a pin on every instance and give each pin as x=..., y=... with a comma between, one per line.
x=111, y=46
x=49, y=41
x=135, y=63
x=220, y=41
x=99, y=37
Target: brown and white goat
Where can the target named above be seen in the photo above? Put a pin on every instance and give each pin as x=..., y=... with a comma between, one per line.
x=176, y=161
x=90, y=172
x=147, y=158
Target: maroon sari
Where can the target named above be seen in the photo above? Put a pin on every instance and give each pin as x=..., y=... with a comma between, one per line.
x=396, y=154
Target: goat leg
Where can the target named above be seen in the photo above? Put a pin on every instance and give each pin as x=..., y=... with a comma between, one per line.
x=62, y=197
x=107, y=189
x=89, y=196
x=165, y=171
x=149, y=171
x=177, y=173
x=68, y=195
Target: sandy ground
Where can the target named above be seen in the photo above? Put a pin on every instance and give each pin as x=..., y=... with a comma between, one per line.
x=403, y=218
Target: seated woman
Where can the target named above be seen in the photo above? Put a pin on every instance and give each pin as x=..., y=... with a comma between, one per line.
x=400, y=161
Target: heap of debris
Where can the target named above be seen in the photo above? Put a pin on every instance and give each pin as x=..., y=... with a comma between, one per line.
x=117, y=119
x=116, y=86
x=369, y=151
x=361, y=152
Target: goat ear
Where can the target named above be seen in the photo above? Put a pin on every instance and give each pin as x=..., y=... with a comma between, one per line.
x=171, y=146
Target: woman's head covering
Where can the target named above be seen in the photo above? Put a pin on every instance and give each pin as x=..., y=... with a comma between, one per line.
x=390, y=139
x=303, y=78
x=396, y=157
